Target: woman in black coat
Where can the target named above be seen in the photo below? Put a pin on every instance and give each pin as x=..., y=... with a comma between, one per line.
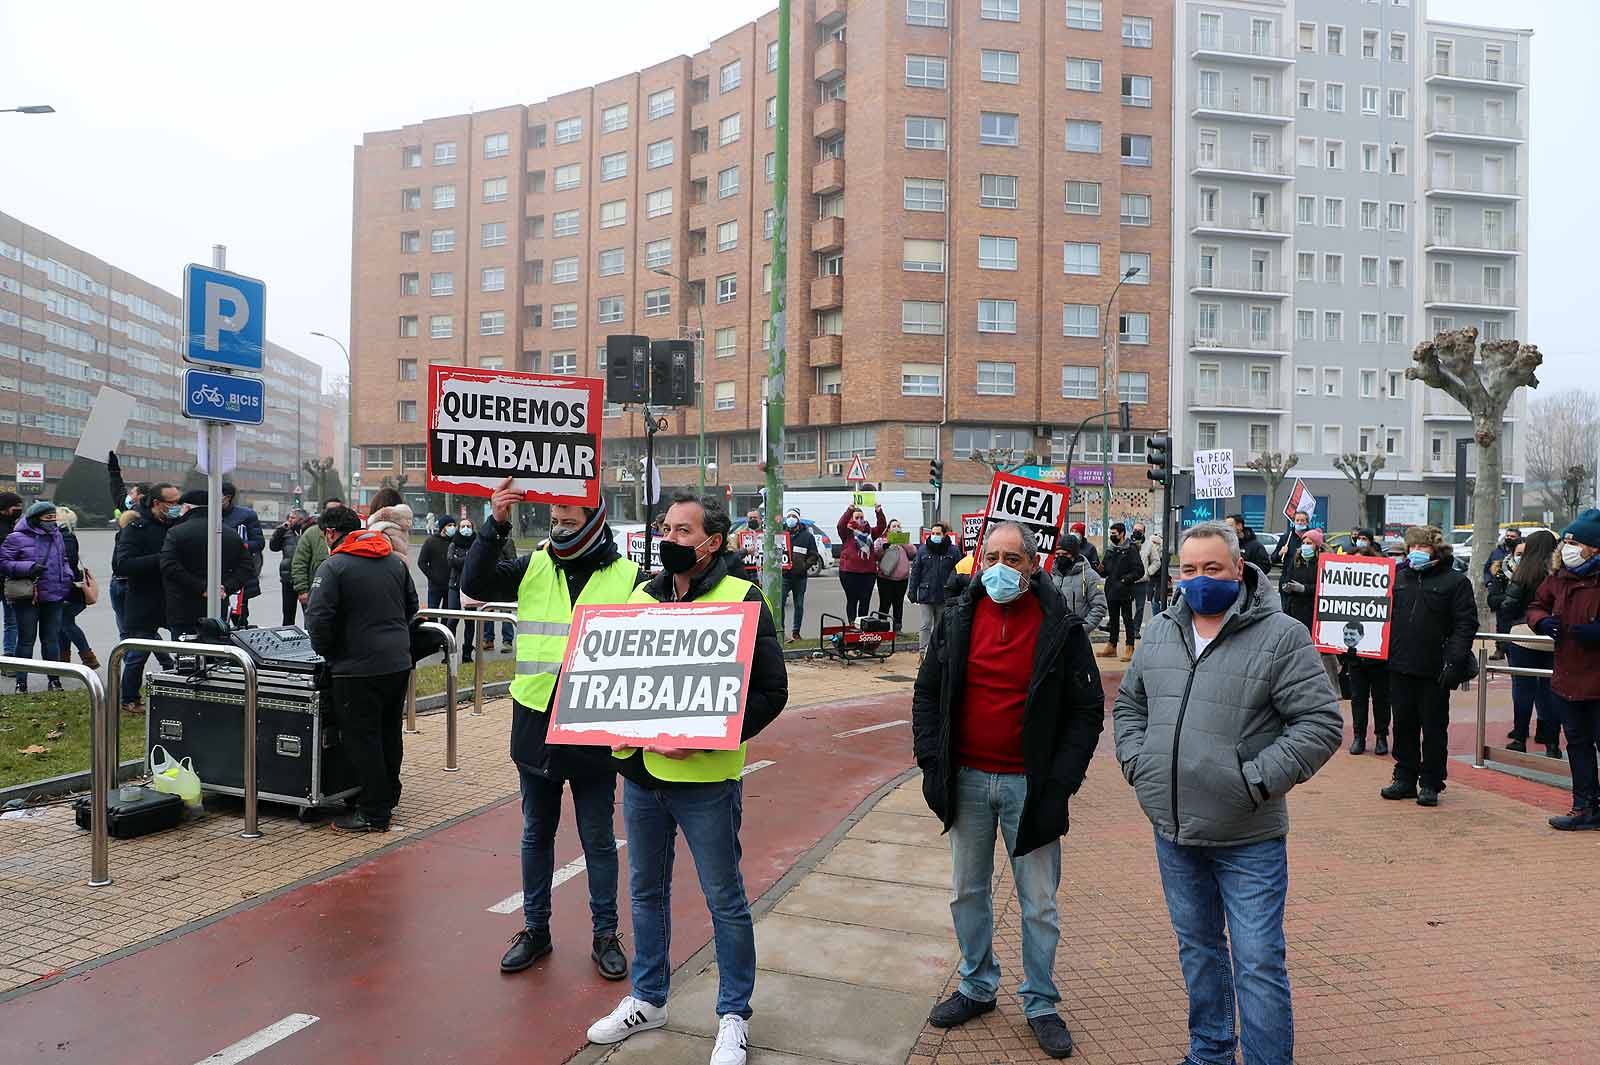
x=1513, y=589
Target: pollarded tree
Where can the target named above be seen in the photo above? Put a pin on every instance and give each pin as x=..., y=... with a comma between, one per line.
x=1362, y=473
x=1484, y=379
x=1004, y=459
x=1274, y=467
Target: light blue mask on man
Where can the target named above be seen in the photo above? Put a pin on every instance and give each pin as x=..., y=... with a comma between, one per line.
x=1002, y=582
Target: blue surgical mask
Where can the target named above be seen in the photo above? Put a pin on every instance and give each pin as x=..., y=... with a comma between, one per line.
x=1002, y=582
x=1419, y=559
x=1307, y=551
x=1301, y=526
x=791, y=521
x=1363, y=543
x=935, y=538
x=1209, y=596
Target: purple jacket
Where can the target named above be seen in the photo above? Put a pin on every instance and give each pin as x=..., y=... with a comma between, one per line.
x=28, y=545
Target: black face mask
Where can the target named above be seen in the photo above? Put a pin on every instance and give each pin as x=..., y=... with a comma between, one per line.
x=1139, y=536
x=1065, y=561
x=679, y=558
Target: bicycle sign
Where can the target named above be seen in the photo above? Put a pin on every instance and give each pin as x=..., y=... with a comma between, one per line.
x=222, y=397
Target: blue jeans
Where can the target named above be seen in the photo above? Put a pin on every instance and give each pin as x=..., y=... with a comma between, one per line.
x=1533, y=693
x=1244, y=889
x=593, y=804
x=133, y=663
x=41, y=621
x=469, y=637
x=119, y=599
x=709, y=815
x=986, y=802
x=10, y=629
x=71, y=634
x=795, y=589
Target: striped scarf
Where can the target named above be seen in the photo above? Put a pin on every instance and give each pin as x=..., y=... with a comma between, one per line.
x=586, y=539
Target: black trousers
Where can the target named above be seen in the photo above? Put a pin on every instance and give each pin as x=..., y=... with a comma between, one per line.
x=1421, y=730
x=857, y=593
x=1121, y=613
x=371, y=711
x=1369, y=683
x=892, y=599
x=291, y=604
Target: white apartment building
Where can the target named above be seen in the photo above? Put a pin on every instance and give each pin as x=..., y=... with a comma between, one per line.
x=1350, y=178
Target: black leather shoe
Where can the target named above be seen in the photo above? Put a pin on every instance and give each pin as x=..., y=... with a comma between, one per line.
x=1586, y=819
x=1517, y=745
x=608, y=956
x=1358, y=745
x=1380, y=746
x=527, y=947
x=356, y=821
x=957, y=1010
x=1051, y=1032
x=1553, y=750
x=1427, y=797
x=1399, y=789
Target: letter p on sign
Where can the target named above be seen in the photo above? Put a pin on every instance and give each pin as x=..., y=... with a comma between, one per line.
x=218, y=321
x=224, y=318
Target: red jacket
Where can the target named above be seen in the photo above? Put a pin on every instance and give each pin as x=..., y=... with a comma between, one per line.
x=1576, y=601
x=852, y=559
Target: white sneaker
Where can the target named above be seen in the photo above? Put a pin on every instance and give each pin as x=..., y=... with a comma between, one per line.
x=733, y=1032
x=631, y=1015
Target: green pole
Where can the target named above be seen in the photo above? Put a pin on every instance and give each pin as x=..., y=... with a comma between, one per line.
x=772, y=570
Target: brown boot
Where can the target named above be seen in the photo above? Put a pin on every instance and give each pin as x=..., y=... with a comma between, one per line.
x=1127, y=653
x=89, y=658
x=65, y=654
x=1108, y=651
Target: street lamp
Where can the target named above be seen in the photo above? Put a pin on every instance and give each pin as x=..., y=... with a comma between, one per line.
x=349, y=418
x=700, y=356
x=1105, y=403
x=29, y=109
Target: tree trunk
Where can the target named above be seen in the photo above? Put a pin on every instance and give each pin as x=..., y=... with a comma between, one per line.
x=1486, y=491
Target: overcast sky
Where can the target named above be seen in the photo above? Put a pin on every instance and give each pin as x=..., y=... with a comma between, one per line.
x=183, y=124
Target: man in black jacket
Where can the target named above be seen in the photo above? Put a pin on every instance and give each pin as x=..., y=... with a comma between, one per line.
x=243, y=520
x=1005, y=716
x=930, y=572
x=433, y=559
x=136, y=561
x=802, y=549
x=1250, y=546
x=359, y=620
x=183, y=567
x=1124, y=568
x=285, y=538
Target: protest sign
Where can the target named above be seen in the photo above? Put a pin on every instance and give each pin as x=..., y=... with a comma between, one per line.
x=865, y=499
x=1300, y=499
x=108, y=419
x=754, y=542
x=542, y=430
x=1355, y=598
x=1039, y=506
x=1213, y=474
x=971, y=531
x=673, y=674
x=1405, y=511
x=901, y=537
x=636, y=550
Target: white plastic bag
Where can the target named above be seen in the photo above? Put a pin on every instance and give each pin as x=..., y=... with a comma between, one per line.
x=174, y=777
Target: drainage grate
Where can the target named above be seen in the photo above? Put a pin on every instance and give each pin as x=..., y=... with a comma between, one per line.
x=898, y=679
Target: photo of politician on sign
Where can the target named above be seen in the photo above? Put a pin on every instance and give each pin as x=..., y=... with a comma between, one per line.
x=1354, y=604
x=664, y=674
x=541, y=430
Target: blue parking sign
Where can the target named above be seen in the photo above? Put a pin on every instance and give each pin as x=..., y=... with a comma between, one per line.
x=223, y=397
x=225, y=316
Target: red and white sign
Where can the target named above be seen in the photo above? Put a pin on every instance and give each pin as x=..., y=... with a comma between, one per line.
x=1300, y=499
x=1354, y=605
x=755, y=543
x=1040, y=506
x=30, y=473
x=541, y=430
x=971, y=532
x=858, y=469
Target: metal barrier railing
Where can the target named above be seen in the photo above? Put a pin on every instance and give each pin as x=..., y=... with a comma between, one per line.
x=102, y=756
x=1482, y=752
x=239, y=657
x=484, y=617
x=451, y=684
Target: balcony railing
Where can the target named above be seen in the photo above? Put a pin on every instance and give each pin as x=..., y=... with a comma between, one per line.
x=1244, y=221
x=1237, y=102
x=1499, y=73
x=1243, y=163
x=1466, y=296
x=1475, y=126
x=1504, y=242
x=1436, y=404
x=1240, y=339
x=1240, y=281
x=1475, y=184
x=1251, y=46
x=1239, y=399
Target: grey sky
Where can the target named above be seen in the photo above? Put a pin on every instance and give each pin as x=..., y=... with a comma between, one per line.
x=182, y=124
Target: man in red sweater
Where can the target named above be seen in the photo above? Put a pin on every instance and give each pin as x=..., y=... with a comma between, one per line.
x=1005, y=717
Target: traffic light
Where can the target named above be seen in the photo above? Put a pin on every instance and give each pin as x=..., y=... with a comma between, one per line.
x=672, y=373
x=936, y=473
x=627, y=368
x=1158, y=454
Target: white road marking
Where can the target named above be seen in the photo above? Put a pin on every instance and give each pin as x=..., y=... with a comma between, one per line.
x=869, y=728
x=753, y=766
x=513, y=903
x=251, y=1045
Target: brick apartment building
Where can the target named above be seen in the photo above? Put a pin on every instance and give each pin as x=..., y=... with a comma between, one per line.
x=71, y=323
x=968, y=180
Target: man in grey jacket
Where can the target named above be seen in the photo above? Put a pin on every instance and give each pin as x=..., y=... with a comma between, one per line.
x=1080, y=586
x=1224, y=708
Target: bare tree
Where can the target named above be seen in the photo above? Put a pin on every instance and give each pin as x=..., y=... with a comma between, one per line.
x=1362, y=472
x=1483, y=380
x=1005, y=459
x=1274, y=467
x=1563, y=442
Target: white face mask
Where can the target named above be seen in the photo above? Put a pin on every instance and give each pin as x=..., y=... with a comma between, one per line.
x=1572, y=555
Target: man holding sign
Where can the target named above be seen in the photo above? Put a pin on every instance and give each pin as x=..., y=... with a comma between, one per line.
x=668, y=788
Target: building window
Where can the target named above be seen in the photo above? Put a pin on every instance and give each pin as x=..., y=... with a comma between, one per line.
x=1005, y=68
x=614, y=119
x=661, y=104
x=997, y=316
x=410, y=157
x=491, y=323
x=610, y=309
x=1080, y=382
x=727, y=235
x=1138, y=32
x=1083, y=136
x=1397, y=103
x=568, y=176
x=444, y=153
x=722, y=395
x=997, y=253
x=923, y=194
x=405, y=411
x=1135, y=260
x=658, y=253
x=1077, y=258
x=727, y=288
x=922, y=72
x=772, y=56
x=1083, y=197
x=1306, y=94
x=440, y=326
x=1333, y=98
x=728, y=129
x=799, y=446
x=1133, y=328
x=657, y=302
x=1333, y=325
x=1305, y=266
x=924, y=317
x=613, y=213
x=1136, y=90
x=564, y=224
x=922, y=256
x=1369, y=99
x=658, y=204
x=441, y=283
x=1397, y=48
x=536, y=315
x=495, y=190
x=564, y=362
x=408, y=326
x=997, y=190
x=927, y=12
x=1135, y=209
x=921, y=441
x=1080, y=320
x=410, y=284
x=997, y=378
x=1001, y=10
x=497, y=146
x=411, y=199
x=998, y=128
x=1083, y=75
x=728, y=183
x=1397, y=217
x=729, y=76
x=727, y=342
x=921, y=379
x=1136, y=149
x=1085, y=14
x=1205, y=436
x=1133, y=387
x=1333, y=211
x=1016, y=441
x=564, y=271
x=613, y=166
x=444, y=197
x=1333, y=269
x=442, y=240
x=563, y=316
x=569, y=130
x=612, y=262
x=846, y=443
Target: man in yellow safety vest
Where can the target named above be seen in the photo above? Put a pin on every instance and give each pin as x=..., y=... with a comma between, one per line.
x=579, y=565
x=668, y=789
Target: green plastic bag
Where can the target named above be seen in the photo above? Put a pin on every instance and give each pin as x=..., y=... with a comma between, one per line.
x=174, y=777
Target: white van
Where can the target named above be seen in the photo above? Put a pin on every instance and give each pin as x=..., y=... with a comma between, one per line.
x=826, y=507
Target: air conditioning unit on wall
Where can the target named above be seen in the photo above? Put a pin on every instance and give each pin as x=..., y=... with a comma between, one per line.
x=835, y=469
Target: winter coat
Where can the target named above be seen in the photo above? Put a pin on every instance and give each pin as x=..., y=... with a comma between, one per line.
x=459, y=546
x=433, y=559
x=1212, y=745
x=137, y=559
x=932, y=569
x=362, y=603
x=894, y=560
x=395, y=523
x=1152, y=557
x=802, y=548
x=29, y=544
x=310, y=553
x=1575, y=601
x=1435, y=617
x=285, y=539
x=1299, y=605
x=853, y=558
x=69, y=540
x=244, y=521
x=1510, y=601
x=1254, y=551
x=1083, y=592
x=1062, y=717
x=183, y=569
x=1123, y=570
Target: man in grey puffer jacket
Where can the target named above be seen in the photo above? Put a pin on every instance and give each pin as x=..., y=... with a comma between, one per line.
x=1224, y=708
x=1078, y=583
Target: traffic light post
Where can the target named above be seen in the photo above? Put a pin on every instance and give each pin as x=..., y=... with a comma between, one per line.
x=1123, y=426
x=650, y=373
x=1158, y=456
x=936, y=478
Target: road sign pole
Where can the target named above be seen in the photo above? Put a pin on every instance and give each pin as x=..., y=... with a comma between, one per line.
x=219, y=259
x=777, y=359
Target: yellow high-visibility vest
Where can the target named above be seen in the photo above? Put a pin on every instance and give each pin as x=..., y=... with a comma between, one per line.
x=544, y=619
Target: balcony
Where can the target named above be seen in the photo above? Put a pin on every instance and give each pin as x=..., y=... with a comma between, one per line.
x=1439, y=407
x=827, y=176
x=1474, y=187
x=828, y=120
x=532, y=248
x=1211, y=163
x=1497, y=299
x=1239, y=283
x=829, y=11
x=1491, y=75
x=827, y=293
x=1238, y=342
x=1476, y=244
x=826, y=350
x=1238, y=399
x=827, y=234
x=830, y=60
x=1238, y=104
x=1270, y=50
x=1242, y=224
x=1474, y=128
x=699, y=216
x=823, y=409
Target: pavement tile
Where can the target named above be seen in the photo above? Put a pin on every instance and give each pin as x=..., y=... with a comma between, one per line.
x=851, y=954
x=907, y=799
x=666, y=1047
x=893, y=862
x=885, y=826
x=873, y=903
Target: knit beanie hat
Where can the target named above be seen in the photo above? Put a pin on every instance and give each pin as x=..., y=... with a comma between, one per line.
x=9, y=500
x=39, y=509
x=195, y=497
x=593, y=533
x=1313, y=536
x=1585, y=528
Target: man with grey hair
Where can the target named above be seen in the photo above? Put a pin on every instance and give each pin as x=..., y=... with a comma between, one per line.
x=1005, y=716
x=1224, y=708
